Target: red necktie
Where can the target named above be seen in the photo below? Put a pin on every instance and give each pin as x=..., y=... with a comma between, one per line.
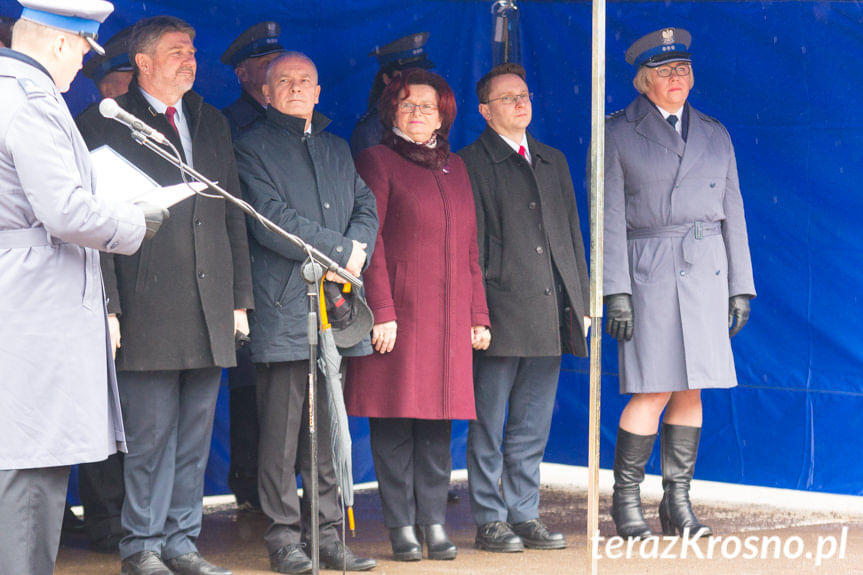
x=169, y=112
x=522, y=152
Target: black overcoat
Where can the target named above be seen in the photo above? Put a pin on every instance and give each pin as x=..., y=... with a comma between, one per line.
x=526, y=219
x=176, y=296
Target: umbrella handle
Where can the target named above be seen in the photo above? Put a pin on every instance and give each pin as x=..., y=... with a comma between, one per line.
x=351, y=524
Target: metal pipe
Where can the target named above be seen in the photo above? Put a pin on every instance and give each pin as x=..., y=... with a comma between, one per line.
x=597, y=211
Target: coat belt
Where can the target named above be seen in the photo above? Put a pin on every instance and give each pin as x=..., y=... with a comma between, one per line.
x=28, y=238
x=690, y=233
x=699, y=230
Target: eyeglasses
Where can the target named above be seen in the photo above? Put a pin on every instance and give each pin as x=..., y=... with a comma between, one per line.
x=408, y=108
x=681, y=70
x=512, y=99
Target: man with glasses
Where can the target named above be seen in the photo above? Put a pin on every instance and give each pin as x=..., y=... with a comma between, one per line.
x=532, y=256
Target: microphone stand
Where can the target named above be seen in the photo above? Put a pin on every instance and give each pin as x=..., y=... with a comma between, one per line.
x=313, y=271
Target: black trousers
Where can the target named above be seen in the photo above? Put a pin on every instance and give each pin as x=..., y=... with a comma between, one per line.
x=243, y=473
x=101, y=488
x=284, y=449
x=413, y=464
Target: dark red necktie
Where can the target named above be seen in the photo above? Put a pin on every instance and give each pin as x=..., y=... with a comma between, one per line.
x=522, y=152
x=169, y=112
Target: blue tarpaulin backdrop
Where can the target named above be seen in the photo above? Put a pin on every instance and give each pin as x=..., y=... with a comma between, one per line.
x=782, y=76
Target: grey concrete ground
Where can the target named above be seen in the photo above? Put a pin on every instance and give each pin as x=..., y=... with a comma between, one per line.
x=234, y=540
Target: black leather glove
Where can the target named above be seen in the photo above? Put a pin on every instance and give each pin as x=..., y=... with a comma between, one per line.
x=738, y=313
x=618, y=316
x=154, y=216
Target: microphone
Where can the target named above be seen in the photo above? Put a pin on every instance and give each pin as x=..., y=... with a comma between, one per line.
x=109, y=108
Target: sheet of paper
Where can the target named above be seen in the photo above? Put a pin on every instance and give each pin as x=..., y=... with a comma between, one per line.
x=117, y=178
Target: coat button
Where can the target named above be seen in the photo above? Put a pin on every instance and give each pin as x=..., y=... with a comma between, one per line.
x=717, y=272
x=326, y=205
x=547, y=291
x=682, y=273
x=532, y=205
x=114, y=245
x=340, y=249
x=202, y=275
x=197, y=222
x=539, y=249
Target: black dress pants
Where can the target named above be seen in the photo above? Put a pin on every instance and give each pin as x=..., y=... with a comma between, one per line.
x=413, y=464
x=283, y=445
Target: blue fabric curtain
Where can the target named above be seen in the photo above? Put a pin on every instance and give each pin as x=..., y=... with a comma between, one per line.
x=782, y=77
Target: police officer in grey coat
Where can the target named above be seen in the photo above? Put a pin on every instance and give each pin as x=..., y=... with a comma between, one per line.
x=60, y=403
x=677, y=271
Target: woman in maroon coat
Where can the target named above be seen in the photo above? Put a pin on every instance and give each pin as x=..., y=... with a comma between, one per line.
x=425, y=288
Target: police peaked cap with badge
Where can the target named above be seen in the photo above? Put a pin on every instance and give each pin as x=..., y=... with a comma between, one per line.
x=259, y=40
x=660, y=47
x=81, y=17
x=407, y=52
x=116, y=58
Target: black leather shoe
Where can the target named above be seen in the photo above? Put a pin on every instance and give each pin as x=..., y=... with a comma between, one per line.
x=452, y=497
x=144, y=563
x=439, y=545
x=71, y=523
x=406, y=546
x=498, y=537
x=291, y=559
x=535, y=535
x=336, y=555
x=194, y=564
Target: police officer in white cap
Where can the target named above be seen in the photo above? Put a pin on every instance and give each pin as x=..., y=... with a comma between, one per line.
x=60, y=404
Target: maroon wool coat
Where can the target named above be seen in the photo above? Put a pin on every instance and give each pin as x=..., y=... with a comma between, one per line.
x=424, y=274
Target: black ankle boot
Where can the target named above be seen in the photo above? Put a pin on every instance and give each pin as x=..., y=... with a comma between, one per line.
x=630, y=456
x=679, y=450
x=439, y=545
x=406, y=546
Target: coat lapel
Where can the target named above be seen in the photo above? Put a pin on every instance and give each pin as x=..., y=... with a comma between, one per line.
x=650, y=124
x=697, y=140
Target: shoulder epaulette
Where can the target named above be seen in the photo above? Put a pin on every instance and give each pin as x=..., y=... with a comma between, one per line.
x=31, y=88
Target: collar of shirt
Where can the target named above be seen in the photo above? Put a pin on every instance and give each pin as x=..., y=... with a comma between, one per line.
x=679, y=113
x=515, y=146
x=179, y=120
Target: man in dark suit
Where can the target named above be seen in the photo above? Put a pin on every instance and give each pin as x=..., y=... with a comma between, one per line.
x=302, y=178
x=532, y=256
x=179, y=302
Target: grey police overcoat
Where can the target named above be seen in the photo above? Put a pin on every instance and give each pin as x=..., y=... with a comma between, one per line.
x=675, y=238
x=59, y=401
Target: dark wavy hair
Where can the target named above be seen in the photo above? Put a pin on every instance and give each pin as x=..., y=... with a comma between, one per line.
x=389, y=102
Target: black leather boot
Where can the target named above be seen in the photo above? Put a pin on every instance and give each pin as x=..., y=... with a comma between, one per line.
x=679, y=450
x=439, y=545
x=406, y=546
x=630, y=456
